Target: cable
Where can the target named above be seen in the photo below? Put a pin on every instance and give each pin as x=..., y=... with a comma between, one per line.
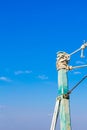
x=75, y=51
x=81, y=66
x=70, y=91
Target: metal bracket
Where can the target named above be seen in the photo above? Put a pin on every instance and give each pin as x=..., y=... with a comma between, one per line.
x=66, y=96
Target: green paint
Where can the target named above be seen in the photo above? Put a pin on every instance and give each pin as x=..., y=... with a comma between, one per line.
x=65, y=123
x=62, y=82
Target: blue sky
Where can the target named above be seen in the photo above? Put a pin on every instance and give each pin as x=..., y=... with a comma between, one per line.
x=31, y=32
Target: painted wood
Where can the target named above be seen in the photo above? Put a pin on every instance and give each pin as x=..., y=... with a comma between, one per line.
x=55, y=114
x=65, y=121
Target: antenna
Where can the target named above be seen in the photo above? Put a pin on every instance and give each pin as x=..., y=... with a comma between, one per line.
x=62, y=101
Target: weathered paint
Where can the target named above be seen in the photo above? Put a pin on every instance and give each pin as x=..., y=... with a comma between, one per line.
x=62, y=82
x=55, y=114
x=65, y=122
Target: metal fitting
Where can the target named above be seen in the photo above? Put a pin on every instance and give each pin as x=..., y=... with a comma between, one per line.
x=66, y=96
x=82, y=49
x=84, y=46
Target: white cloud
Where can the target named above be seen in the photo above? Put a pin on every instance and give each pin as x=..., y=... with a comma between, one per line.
x=5, y=79
x=22, y=72
x=28, y=72
x=42, y=77
x=77, y=72
x=80, y=62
